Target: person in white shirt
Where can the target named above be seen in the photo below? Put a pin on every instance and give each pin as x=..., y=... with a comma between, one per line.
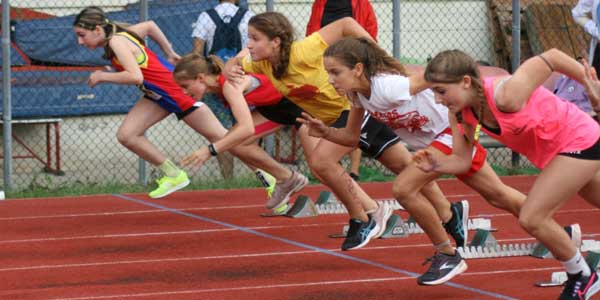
x=585, y=14
x=204, y=28
x=377, y=83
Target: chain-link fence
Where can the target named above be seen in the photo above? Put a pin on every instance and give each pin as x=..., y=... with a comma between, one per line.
x=74, y=142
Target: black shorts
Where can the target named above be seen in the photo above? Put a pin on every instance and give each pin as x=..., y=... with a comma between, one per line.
x=283, y=112
x=375, y=137
x=591, y=153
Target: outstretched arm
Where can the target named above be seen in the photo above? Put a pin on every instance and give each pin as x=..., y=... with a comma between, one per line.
x=458, y=162
x=241, y=131
x=149, y=28
x=347, y=136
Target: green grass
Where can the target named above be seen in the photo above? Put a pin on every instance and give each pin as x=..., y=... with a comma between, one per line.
x=367, y=174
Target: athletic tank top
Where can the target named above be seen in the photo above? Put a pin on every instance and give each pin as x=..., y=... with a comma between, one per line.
x=264, y=93
x=543, y=128
x=158, y=84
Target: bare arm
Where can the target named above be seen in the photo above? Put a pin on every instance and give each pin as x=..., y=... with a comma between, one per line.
x=515, y=93
x=244, y=127
x=149, y=28
x=347, y=136
x=131, y=74
x=199, y=45
x=233, y=68
x=458, y=162
x=344, y=27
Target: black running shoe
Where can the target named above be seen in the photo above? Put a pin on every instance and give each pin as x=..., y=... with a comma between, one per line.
x=457, y=227
x=579, y=287
x=359, y=233
x=443, y=268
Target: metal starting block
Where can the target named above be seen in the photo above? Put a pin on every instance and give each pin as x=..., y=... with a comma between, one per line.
x=396, y=227
x=559, y=278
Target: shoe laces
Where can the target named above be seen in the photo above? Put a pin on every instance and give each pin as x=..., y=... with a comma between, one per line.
x=434, y=260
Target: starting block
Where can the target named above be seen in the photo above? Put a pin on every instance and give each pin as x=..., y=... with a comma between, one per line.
x=559, y=278
x=396, y=227
x=302, y=207
x=484, y=245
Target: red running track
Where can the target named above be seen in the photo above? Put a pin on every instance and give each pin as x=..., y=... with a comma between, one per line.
x=213, y=245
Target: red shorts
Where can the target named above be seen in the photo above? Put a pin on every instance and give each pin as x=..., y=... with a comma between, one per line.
x=443, y=142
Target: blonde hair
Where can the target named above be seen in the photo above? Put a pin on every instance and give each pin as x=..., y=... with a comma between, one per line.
x=351, y=51
x=190, y=65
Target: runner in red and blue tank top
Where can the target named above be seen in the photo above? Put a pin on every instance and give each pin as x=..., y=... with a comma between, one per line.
x=135, y=64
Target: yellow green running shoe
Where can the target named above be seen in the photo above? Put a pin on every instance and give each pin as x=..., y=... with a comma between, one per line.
x=267, y=180
x=167, y=185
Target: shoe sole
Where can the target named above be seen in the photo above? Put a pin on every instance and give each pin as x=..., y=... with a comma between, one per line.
x=465, y=220
x=366, y=241
x=287, y=197
x=388, y=213
x=593, y=289
x=456, y=271
x=175, y=189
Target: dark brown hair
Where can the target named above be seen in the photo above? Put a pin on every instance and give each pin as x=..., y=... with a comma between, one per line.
x=275, y=25
x=93, y=16
x=351, y=51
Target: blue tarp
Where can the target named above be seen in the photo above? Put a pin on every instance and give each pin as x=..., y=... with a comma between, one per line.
x=53, y=40
x=65, y=93
x=15, y=58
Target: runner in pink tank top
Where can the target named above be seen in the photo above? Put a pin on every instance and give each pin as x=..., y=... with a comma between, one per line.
x=553, y=134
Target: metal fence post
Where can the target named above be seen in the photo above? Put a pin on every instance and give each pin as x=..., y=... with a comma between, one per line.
x=270, y=5
x=6, y=93
x=142, y=170
x=516, y=56
x=396, y=28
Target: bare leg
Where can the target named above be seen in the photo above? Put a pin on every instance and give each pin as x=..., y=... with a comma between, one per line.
x=323, y=158
x=552, y=188
x=130, y=134
x=355, y=156
x=494, y=191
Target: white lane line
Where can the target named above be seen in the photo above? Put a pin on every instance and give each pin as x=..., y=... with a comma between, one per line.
x=292, y=285
x=160, y=233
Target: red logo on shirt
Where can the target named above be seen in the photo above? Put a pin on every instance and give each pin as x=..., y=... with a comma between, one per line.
x=305, y=91
x=412, y=120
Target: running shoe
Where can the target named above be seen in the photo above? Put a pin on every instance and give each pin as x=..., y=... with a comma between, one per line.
x=457, y=227
x=381, y=216
x=579, y=287
x=267, y=180
x=359, y=233
x=168, y=185
x=283, y=190
x=443, y=268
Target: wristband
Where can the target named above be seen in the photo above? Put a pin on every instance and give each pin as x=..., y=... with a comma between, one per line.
x=212, y=150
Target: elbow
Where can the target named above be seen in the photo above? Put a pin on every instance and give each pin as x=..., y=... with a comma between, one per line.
x=138, y=79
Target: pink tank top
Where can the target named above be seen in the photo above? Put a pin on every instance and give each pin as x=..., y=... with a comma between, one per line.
x=545, y=127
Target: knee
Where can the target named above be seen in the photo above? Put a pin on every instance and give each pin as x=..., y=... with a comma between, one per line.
x=125, y=138
x=530, y=223
x=403, y=193
x=321, y=165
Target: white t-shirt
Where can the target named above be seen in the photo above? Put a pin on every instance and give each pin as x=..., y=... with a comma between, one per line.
x=204, y=28
x=416, y=119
